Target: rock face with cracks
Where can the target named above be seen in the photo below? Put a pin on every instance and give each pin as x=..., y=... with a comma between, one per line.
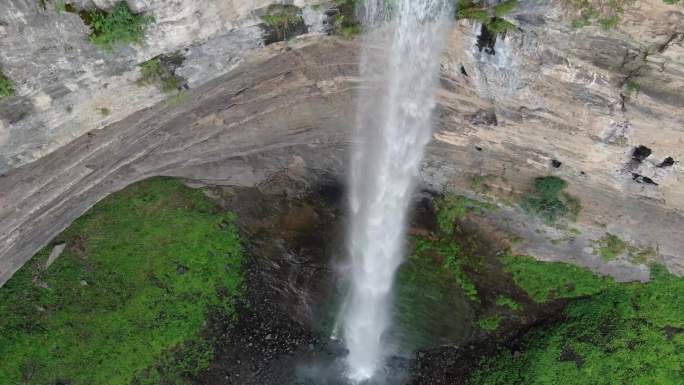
x=549, y=99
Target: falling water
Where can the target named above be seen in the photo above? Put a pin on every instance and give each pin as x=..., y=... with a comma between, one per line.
x=400, y=67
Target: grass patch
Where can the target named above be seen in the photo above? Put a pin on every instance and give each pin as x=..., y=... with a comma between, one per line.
x=548, y=200
x=627, y=334
x=453, y=260
x=283, y=22
x=504, y=301
x=546, y=281
x=120, y=26
x=451, y=207
x=140, y=272
x=489, y=324
x=160, y=72
x=610, y=246
x=6, y=86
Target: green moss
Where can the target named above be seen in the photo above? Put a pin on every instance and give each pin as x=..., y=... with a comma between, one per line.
x=120, y=26
x=627, y=334
x=104, y=111
x=504, y=301
x=490, y=16
x=489, y=324
x=505, y=7
x=453, y=260
x=606, y=13
x=610, y=246
x=549, y=202
x=282, y=16
x=545, y=281
x=155, y=72
x=140, y=271
x=6, y=85
x=345, y=22
x=451, y=207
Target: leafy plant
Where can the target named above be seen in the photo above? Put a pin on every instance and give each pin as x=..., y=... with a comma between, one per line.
x=6, y=85
x=548, y=201
x=489, y=324
x=504, y=301
x=489, y=16
x=156, y=72
x=451, y=207
x=119, y=26
x=610, y=246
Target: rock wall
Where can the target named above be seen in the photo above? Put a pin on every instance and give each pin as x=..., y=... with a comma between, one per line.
x=64, y=82
x=551, y=100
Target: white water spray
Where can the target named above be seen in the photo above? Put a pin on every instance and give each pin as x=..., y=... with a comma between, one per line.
x=393, y=127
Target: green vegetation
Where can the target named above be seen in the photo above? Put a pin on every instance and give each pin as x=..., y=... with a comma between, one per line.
x=453, y=260
x=451, y=207
x=284, y=21
x=60, y=6
x=6, y=86
x=155, y=72
x=345, y=22
x=129, y=296
x=120, y=26
x=490, y=16
x=606, y=13
x=504, y=301
x=626, y=334
x=489, y=324
x=104, y=111
x=549, y=202
x=610, y=246
x=545, y=281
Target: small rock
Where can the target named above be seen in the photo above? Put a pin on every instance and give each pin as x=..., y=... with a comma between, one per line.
x=84, y=283
x=268, y=337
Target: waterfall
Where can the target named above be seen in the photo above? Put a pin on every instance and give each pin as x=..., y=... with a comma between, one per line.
x=400, y=68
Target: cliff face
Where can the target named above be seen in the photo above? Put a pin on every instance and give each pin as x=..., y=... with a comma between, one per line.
x=64, y=82
x=545, y=99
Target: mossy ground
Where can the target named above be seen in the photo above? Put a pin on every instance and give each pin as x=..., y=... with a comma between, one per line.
x=140, y=274
x=623, y=334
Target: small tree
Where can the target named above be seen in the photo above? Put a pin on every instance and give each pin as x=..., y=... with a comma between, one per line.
x=548, y=201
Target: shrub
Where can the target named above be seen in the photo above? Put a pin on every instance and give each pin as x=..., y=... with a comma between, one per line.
x=489, y=324
x=548, y=201
x=504, y=301
x=6, y=85
x=490, y=17
x=117, y=27
x=610, y=246
x=160, y=72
